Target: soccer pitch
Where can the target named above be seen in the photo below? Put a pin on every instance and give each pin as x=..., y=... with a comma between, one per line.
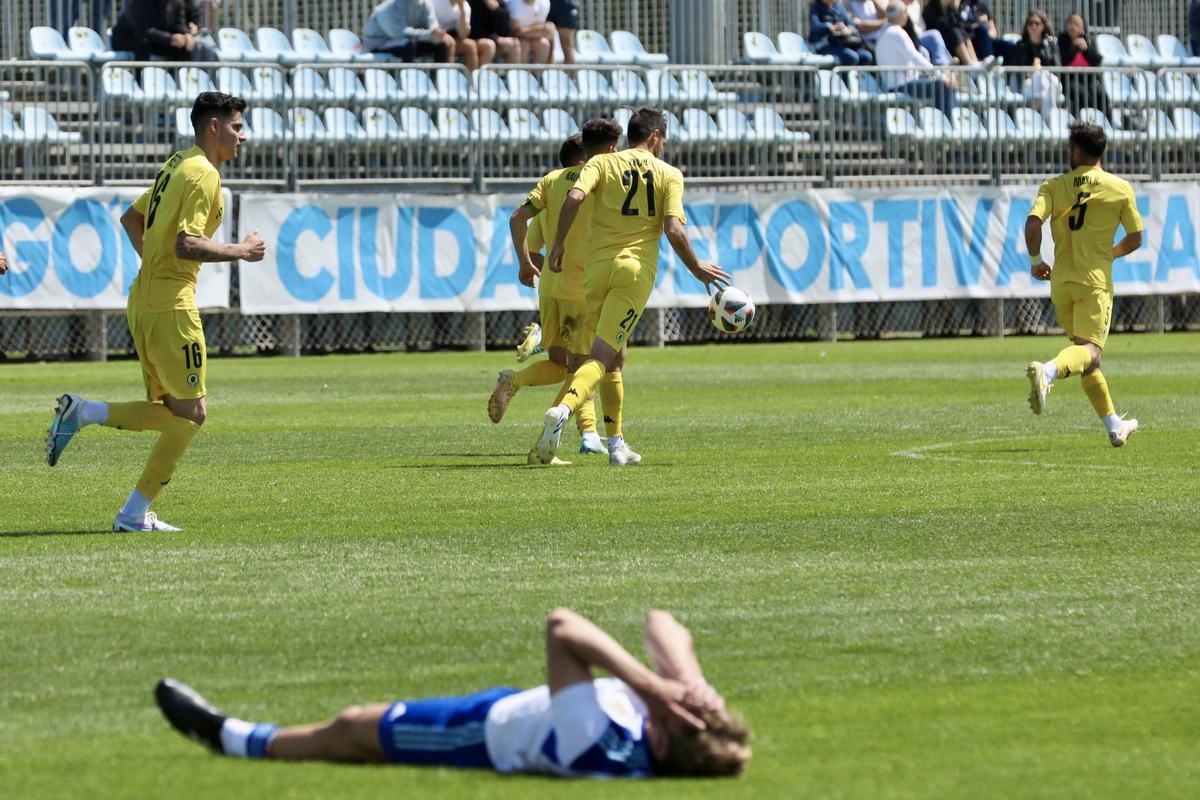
x=909, y=585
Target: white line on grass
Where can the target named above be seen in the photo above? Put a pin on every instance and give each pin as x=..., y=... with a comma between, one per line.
x=927, y=452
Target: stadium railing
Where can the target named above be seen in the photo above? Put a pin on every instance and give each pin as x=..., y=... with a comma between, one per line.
x=47, y=123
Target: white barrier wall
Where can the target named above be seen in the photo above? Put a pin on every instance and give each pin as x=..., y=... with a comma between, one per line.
x=67, y=250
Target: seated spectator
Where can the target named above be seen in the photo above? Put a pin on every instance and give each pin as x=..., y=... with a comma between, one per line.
x=454, y=16
x=897, y=47
x=1037, y=48
x=407, y=29
x=932, y=43
x=1083, y=90
x=868, y=17
x=565, y=16
x=1194, y=28
x=832, y=33
x=490, y=20
x=163, y=28
x=977, y=20
x=531, y=28
x=942, y=16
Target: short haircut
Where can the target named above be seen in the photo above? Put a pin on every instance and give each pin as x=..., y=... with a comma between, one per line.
x=645, y=122
x=214, y=104
x=720, y=750
x=571, y=152
x=1089, y=138
x=599, y=134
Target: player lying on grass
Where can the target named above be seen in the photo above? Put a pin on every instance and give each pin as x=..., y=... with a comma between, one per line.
x=638, y=724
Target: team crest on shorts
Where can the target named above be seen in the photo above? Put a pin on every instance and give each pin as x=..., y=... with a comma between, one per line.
x=193, y=380
x=620, y=336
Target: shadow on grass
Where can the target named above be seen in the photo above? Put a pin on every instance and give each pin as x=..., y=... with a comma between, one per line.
x=21, y=534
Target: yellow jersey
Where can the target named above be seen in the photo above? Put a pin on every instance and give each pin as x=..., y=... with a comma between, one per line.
x=634, y=193
x=546, y=200
x=186, y=197
x=1085, y=206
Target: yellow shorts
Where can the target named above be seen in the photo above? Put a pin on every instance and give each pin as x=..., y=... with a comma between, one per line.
x=1084, y=312
x=564, y=324
x=170, y=347
x=617, y=291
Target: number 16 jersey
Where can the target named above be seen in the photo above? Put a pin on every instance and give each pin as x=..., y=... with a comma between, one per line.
x=633, y=193
x=1085, y=206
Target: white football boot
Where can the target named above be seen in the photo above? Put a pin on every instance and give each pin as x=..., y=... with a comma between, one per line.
x=531, y=343
x=150, y=522
x=619, y=455
x=552, y=428
x=591, y=444
x=1039, y=387
x=1127, y=428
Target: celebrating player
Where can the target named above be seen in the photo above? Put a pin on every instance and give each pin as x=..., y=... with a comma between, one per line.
x=638, y=197
x=171, y=226
x=560, y=296
x=1085, y=206
x=637, y=724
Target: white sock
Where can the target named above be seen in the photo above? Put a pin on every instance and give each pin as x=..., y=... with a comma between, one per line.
x=136, y=506
x=1111, y=422
x=565, y=408
x=93, y=413
x=242, y=739
x=615, y=441
x=1050, y=370
x=590, y=436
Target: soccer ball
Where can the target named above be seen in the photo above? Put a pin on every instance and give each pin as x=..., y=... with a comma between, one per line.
x=730, y=310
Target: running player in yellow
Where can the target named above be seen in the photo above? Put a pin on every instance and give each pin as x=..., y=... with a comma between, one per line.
x=171, y=226
x=560, y=297
x=1084, y=207
x=637, y=198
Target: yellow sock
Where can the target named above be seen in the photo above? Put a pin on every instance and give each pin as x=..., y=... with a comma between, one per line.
x=583, y=385
x=165, y=455
x=586, y=418
x=562, y=390
x=542, y=373
x=612, y=397
x=1096, y=389
x=139, y=416
x=1073, y=360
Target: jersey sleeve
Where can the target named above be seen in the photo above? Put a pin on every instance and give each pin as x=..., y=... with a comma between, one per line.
x=536, y=237
x=585, y=740
x=1131, y=218
x=199, y=197
x=537, y=198
x=673, y=197
x=142, y=204
x=589, y=177
x=1043, y=206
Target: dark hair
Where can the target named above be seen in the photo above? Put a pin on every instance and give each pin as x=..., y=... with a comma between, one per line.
x=1082, y=19
x=1089, y=138
x=599, y=134
x=1047, y=28
x=571, y=152
x=214, y=104
x=720, y=750
x=645, y=122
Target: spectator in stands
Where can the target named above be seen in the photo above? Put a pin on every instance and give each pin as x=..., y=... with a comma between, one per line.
x=530, y=26
x=454, y=16
x=1038, y=48
x=868, y=17
x=407, y=29
x=931, y=41
x=164, y=28
x=898, y=47
x=977, y=20
x=565, y=16
x=1194, y=28
x=1083, y=90
x=942, y=16
x=831, y=32
x=490, y=20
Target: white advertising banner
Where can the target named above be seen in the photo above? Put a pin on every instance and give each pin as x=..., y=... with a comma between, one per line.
x=67, y=250
x=373, y=252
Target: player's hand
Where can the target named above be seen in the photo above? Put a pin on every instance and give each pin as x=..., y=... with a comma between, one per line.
x=668, y=701
x=179, y=40
x=529, y=271
x=3, y=264
x=253, y=248
x=556, y=257
x=1041, y=272
x=701, y=696
x=710, y=274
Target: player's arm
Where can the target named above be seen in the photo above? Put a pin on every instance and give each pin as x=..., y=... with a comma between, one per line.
x=669, y=645
x=574, y=645
x=1131, y=220
x=566, y=218
x=518, y=230
x=192, y=245
x=134, y=223
x=1042, y=208
x=1131, y=241
x=536, y=240
x=705, y=272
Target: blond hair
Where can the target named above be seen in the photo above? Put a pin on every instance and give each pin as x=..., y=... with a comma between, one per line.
x=719, y=750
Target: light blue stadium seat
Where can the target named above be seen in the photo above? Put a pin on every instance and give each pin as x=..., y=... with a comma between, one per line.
x=380, y=125
x=267, y=124
x=793, y=46
x=381, y=86
x=183, y=124
x=523, y=87
x=967, y=125
x=311, y=46
x=309, y=87
x=40, y=126
x=1179, y=89
x=757, y=48
x=830, y=86
x=594, y=87
x=270, y=84
x=622, y=117
x=417, y=126
x=453, y=125
x=159, y=87
x=453, y=87
x=232, y=80
x=1031, y=125
x=676, y=132
x=487, y=125
x=306, y=126
x=234, y=45
x=10, y=131
x=1114, y=135
x=90, y=46
x=592, y=48
x=733, y=126
x=47, y=44
x=415, y=87
x=557, y=87
x=1142, y=53
x=341, y=125
x=1187, y=124
x=900, y=124
x=696, y=87
x=1000, y=125
x=1170, y=47
x=119, y=83
x=275, y=45
x=699, y=126
x=628, y=48
x=346, y=45
x=344, y=85
x=989, y=89
x=769, y=126
x=526, y=126
x=192, y=81
x=489, y=87
x=662, y=86
x=1159, y=126
x=557, y=56
x=628, y=87
x=935, y=125
x=1059, y=122
x=558, y=124
x=1114, y=52
x=862, y=87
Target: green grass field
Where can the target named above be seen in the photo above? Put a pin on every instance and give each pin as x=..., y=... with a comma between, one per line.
x=910, y=585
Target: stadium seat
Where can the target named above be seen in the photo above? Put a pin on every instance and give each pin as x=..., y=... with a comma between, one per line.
x=183, y=124
x=592, y=48
x=526, y=126
x=757, y=48
x=306, y=125
x=452, y=86
x=1031, y=126
x=1115, y=136
x=311, y=46
x=379, y=125
x=453, y=126
x=769, y=126
x=41, y=127
x=380, y=86
x=417, y=126
x=309, y=87
x=935, y=125
x=793, y=46
x=696, y=87
x=1187, y=124
x=270, y=83
x=489, y=87
x=557, y=56
x=862, y=87
x=967, y=125
x=487, y=125
x=90, y=46
x=988, y=89
x=699, y=126
x=594, y=87
x=627, y=87
x=1159, y=125
x=47, y=44
x=273, y=44
x=900, y=124
x=1169, y=46
x=630, y=50
x=622, y=117
x=10, y=131
x=1179, y=89
x=341, y=125
x=346, y=45
x=159, y=87
x=119, y=83
x=234, y=45
x=1142, y=52
x=344, y=85
x=733, y=126
x=193, y=80
x=557, y=86
x=1150, y=86
x=662, y=87
x=675, y=130
x=267, y=124
x=1123, y=92
x=232, y=80
x=831, y=87
x=1000, y=125
x=558, y=124
x=1059, y=122
x=415, y=87
x=1114, y=52
x=523, y=87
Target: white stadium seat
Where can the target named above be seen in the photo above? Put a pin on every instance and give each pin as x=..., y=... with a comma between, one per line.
x=630, y=50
